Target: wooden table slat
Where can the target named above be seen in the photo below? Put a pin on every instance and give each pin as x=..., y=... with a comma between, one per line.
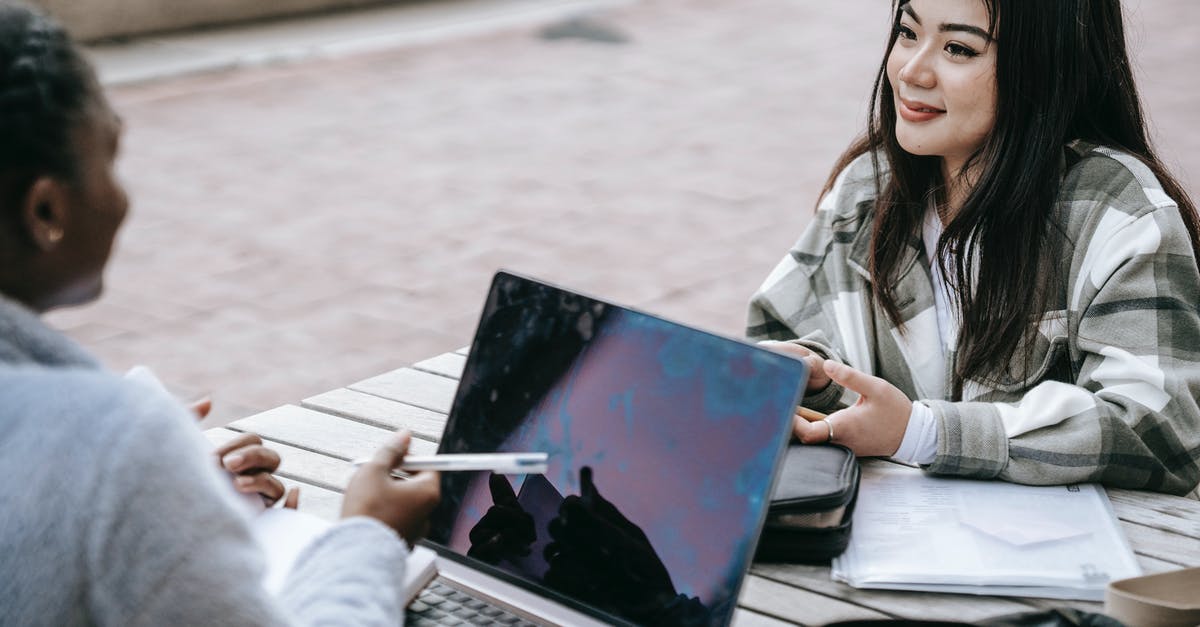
x=379, y=412
x=423, y=389
x=447, y=364
x=776, y=599
x=929, y=605
x=1180, y=515
x=319, y=470
x=1163, y=545
x=316, y=500
x=322, y=433
x=743, y=617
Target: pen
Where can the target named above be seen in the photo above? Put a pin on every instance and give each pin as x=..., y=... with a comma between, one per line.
x=503, y=463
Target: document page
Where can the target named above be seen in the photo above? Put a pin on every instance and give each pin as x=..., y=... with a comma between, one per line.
x=916, y=531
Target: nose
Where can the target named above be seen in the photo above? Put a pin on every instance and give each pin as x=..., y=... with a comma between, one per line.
x=918, y=69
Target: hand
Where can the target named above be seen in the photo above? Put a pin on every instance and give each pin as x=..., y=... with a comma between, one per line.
x=817, y=379
x=506, y=530
x=251, y=464
x=598, y=555
x=402, y=504
x=873, y=427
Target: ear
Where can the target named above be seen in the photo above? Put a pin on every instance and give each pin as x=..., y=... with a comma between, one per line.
x=44, y=212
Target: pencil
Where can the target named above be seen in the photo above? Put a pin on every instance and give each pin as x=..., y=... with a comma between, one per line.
x=809, y=414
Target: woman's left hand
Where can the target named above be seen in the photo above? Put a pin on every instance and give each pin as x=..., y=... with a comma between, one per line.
x=251, y=464
x=873, y=427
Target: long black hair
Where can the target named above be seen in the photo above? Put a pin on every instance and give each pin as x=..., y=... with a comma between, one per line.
x=1062, y=74
x=46, y=88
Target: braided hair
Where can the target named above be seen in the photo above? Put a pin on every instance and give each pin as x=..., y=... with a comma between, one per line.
x=46, y=90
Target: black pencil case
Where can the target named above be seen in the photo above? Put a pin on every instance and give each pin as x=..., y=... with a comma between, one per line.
x=812, y=505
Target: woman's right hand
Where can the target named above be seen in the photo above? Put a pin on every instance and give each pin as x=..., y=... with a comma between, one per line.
x=402, y=504
x=817, y=379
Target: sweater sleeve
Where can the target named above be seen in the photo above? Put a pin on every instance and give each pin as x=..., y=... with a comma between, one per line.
x=167, y=545
x=1130, y=418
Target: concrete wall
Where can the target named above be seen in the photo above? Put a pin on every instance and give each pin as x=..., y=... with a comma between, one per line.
x=89, y=20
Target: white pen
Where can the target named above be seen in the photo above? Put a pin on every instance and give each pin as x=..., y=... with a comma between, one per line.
x=502, y=463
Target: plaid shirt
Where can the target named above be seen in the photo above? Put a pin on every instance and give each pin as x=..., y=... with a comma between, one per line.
x=1111, y=395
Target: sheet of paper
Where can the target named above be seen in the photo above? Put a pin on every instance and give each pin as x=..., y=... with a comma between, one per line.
x=917, y=531
x=283, y=534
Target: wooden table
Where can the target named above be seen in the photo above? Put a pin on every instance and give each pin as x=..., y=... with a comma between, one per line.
x=319, y=437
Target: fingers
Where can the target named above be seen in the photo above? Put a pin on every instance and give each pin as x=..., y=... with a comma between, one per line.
x=262, y=483
x=242, y=441
x=251, y=458
x=587, y=489
x=391, y=454
x=426, y=490
x=292, y=500
x=856, y=380
x=502, y=491
x=787, y=348
x=201, y=407
x=816, y=432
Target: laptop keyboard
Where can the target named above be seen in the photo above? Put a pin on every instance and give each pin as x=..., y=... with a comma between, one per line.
x=440, y=603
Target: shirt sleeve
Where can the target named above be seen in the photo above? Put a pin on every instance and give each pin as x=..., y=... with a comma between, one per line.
x=919, y=445
x=166, y=544
x=1130, y=418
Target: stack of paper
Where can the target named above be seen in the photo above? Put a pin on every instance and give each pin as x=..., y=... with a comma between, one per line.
x=914, y=531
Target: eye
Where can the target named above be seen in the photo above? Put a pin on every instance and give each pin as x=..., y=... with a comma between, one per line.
x=959, y=50
x=904, y=32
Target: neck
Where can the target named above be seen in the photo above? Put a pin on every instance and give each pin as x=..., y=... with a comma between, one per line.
x=958, y=186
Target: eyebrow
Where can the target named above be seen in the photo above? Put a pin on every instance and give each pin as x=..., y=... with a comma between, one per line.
x=948, y=27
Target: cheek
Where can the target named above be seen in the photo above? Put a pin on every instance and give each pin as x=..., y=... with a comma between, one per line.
x=978, y=93
x=894, y=63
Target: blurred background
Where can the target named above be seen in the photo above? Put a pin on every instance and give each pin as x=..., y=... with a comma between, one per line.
x=322, y=197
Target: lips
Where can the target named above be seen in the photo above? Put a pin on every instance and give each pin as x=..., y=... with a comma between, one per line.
x=917, y=111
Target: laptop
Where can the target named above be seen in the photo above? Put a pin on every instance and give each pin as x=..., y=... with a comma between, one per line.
x=664, y=442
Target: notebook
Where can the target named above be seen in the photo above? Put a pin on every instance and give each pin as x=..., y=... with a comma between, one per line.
x=664, y=443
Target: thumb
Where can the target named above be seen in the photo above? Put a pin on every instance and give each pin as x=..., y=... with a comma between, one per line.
x=391, y=454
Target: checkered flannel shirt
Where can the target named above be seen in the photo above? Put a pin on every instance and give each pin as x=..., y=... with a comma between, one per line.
x=1111, y=394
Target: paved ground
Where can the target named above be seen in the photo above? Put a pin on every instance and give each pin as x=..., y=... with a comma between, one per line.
x=301, y=226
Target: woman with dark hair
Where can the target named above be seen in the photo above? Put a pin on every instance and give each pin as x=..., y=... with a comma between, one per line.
x=112, y=511
x=1004, y=248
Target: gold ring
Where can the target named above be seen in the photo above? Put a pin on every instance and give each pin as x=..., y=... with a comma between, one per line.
x=830, y=425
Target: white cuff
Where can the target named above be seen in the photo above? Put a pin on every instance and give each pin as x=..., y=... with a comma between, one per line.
x=919, y=445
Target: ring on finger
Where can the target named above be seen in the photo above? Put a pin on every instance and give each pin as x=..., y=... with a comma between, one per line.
x=829, y=423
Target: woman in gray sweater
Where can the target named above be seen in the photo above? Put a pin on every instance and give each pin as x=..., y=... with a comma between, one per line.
x=112, y=512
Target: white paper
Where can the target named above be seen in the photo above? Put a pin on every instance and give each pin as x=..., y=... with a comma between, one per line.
x=915, y=531
x=284, y=533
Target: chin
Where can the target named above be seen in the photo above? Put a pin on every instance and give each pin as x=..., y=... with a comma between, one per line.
x=76, y=295
x=914, y=146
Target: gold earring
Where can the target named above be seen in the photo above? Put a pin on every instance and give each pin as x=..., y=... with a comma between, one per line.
x=54, y=236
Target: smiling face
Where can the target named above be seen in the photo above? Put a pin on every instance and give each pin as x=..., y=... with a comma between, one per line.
x=942, y=71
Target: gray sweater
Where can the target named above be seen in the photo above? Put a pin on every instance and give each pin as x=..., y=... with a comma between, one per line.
x=112, y=512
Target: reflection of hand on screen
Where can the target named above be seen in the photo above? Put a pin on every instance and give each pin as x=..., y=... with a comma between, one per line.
x=599, y=555
x=506, y=531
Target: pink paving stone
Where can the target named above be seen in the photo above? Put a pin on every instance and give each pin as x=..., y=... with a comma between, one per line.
x=300, y=227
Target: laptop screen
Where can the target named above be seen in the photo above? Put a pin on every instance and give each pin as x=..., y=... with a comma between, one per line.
x=663, y=443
